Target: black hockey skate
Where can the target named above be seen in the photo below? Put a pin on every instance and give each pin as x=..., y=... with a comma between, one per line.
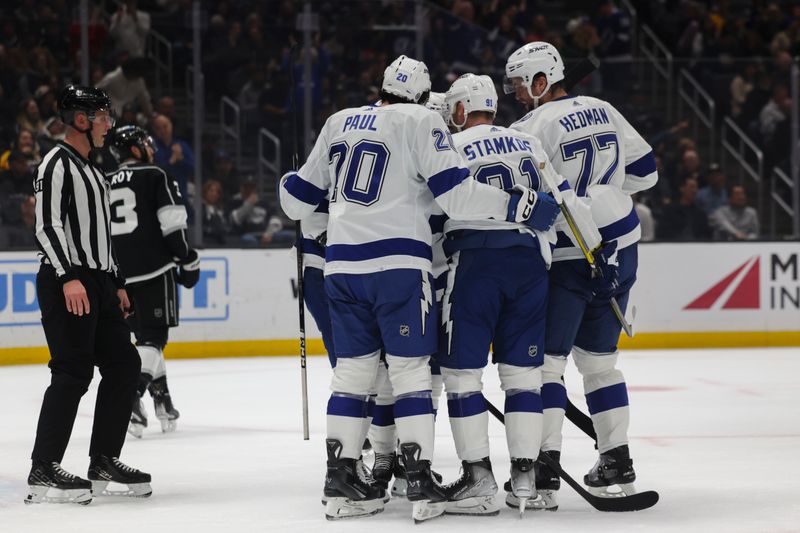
x=547, y=485
x=474, y=492
x=104, y=470
x=48, y=482
x=162, y=402
x=348, y=494
x=614, y=467
x=427, y=495
x=384, y=468
x=138, y=419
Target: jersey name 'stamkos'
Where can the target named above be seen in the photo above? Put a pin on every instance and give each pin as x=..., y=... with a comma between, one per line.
x=502, y=158
x=382, y=168
x=72, y=214
x=590, y=143
x=148, y=221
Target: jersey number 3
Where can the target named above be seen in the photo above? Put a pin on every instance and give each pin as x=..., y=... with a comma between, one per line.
x=124, y=219
x=364, y=172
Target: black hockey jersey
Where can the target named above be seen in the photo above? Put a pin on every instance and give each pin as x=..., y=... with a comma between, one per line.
x=148, y=221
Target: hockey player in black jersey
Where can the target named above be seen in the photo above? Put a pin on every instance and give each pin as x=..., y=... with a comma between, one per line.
x=148, y=227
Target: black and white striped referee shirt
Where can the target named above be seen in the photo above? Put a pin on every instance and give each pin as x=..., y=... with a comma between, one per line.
x=73, y=220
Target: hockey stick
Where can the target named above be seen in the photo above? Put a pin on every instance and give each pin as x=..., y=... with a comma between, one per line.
x=576, y=74
x=634, y=502
x=581, y=420
x=301, y=305
x=572, y=78
x=546, y=171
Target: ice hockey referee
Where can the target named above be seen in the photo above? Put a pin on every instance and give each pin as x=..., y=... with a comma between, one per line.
x=83, y=304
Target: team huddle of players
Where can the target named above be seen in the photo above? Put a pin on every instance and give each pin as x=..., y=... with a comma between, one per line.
x=432, y=237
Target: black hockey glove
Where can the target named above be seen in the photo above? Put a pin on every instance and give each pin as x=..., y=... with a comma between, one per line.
x=188, y=272
x=605, y=280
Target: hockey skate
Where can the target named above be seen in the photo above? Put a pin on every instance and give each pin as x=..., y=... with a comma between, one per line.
x=523, y=482
x=423, y=491
x=547, y=485
x=104, y=471
x=383, y=471
x=49, y=483
x=165, y=411
x=347, y=494
x=138, y=419
x=474, y=492
x=614, y=467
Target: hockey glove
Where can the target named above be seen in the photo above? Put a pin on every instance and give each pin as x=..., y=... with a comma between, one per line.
x=535, y=209
x=605, y=280
x=188, y=273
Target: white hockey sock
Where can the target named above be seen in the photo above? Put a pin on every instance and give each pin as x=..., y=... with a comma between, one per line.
x=554, y=402
x=413, y=409
x=346, y=419
x=382, y=431
x=523, y=414
x=469, y=422
x=152, y=359
x=606, y=396
x=413, y=414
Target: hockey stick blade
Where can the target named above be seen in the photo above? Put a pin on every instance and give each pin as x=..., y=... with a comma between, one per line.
x=622, y=504
x=634, y=502
x=577, y=73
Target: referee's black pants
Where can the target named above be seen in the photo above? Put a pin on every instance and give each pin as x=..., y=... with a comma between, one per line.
x=78, y=344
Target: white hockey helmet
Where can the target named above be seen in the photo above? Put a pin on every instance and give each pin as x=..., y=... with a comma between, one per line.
x=436, y=103
x=528, y=61
x=407, y=78
x=476, y=93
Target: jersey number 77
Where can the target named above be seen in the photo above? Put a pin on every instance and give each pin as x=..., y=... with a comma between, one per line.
x=586, y=148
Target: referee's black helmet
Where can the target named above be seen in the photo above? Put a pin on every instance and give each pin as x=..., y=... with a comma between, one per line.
x=78, y=98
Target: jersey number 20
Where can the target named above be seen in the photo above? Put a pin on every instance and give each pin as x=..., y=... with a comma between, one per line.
x=366, y=168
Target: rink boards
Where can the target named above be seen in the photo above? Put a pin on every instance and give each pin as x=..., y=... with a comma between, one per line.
x=686, y=296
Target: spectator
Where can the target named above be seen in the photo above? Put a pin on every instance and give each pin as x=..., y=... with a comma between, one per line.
x=215, y=228
x=29, y=117
x=42, y=72
x=689, y=167
x=166, y=106
x=26, y=144
x=46, y=99
x=741, y=85
x=54, y=130
x=735, y=221
x=714, y=195
x=18, y=179
x=224, y=171
x=684, y=220
x=129, y=29
x=19, y=219
x=774, y=112
x=173, y=155
x=251, y=218
x=125, y=84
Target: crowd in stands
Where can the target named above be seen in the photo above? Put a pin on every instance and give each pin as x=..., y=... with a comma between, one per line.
x=247, y=56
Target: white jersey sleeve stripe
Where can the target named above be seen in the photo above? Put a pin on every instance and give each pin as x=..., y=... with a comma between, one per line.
x=447, y=179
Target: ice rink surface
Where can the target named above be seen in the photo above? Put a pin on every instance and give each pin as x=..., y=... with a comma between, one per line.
x=716, y=432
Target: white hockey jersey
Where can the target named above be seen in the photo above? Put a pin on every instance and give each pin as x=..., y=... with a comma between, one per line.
x=503, y=158
x=383, y=168
x=590, y=143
